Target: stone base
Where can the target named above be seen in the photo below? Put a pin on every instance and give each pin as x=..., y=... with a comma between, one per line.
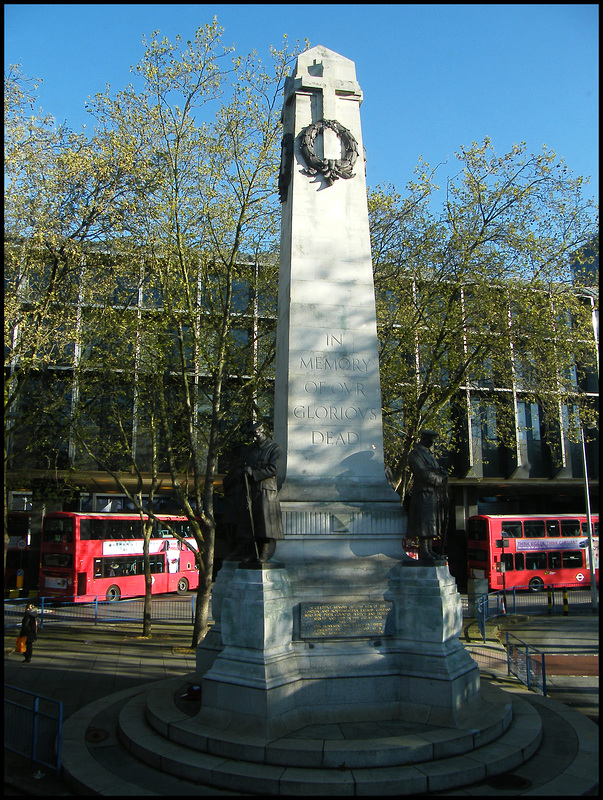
x=426, y=562
x=336, y=640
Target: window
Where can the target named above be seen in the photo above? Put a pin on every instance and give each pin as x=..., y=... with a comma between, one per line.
x=573, y=559
x=124, y=529
x=529, y=425
x=19, y=501
x=110, y=529
x=126, y=566
x=507, y=560
x=519, y=561
x=534, y=529
x=58, y=530
x=570, y=527
x=552, y=527
x=477, y=530
x=595, y=526
x=485, y=424
x=64, y=560
x=535, y=560
x=554, y=560
x=477, y=555
x=512, y=529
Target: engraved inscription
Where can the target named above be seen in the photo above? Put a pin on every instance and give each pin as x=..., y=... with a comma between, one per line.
x=343, y=620
x=339, y=403
x=334, y=340
x=334, y=363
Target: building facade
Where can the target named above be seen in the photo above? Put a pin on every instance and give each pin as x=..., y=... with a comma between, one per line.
x=540, y=468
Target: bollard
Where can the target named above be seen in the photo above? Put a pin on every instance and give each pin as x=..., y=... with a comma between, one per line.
x=565, y=603
x=549, y=594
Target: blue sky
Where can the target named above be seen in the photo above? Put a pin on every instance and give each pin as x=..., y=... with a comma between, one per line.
x=434, y=77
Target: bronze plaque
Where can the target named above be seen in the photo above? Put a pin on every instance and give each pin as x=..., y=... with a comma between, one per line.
x=343, y=620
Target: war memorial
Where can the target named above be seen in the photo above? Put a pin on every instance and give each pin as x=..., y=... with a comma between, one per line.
x=334, y=665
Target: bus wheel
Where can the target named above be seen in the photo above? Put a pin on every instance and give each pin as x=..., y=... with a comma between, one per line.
x=182, y=586
x=536, y=585
x=113, y=593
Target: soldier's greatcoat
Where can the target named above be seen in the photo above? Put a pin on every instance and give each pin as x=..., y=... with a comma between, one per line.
x=428, y=501
x=263, y=458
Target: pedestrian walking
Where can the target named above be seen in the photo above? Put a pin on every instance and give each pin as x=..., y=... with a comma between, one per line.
x=29, y=629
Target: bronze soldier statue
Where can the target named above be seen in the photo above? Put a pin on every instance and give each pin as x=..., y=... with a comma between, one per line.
x=428, y=513
x=251, y=483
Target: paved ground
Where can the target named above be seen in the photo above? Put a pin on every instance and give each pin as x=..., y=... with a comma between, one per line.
x=571, y=648
x=80, y=663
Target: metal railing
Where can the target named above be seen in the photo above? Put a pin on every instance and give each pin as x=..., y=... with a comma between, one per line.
x=33, y=726
x=101, y=610
x=527, y=663
x=520, y=600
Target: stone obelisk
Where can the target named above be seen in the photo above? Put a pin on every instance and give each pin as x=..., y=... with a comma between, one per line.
x=340, y=624
x=327, y=387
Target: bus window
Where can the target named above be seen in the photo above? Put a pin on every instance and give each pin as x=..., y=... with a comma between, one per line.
x=98, y=568
x=554, y=560
x=58, y=530
x=477, y=555
x=534, y=529
x=131, y=529
x=535, y=560
x=97, y=529
x=570, y=527
x=183, y=528
x=573, y=558
x=57, y=560
x=507, y=560
x=519, y=563
x=595, y=527
x=477, y=530
x=512, y=529
x=552, y=527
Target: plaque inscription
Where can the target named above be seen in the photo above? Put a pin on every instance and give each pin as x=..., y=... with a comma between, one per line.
x=343, y=620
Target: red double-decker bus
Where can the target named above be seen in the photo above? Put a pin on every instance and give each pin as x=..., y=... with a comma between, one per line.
x=531, y=552
x=100, y=555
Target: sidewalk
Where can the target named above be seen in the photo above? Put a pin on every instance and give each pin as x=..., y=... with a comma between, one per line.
x=79, y=665
x=571, y=680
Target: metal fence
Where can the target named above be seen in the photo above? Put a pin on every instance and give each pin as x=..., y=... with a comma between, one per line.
x=551, y=600
x=33, y=726
x=527, y=664
x=102, y=611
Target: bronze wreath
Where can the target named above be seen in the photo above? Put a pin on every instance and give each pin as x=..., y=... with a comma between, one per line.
x=330, y=168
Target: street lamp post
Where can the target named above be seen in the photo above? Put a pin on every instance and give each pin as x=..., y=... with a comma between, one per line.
x=502, y=543
x=593, y=585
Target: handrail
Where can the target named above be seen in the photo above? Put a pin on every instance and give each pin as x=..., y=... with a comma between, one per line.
x=531, y=657
x=15, y=730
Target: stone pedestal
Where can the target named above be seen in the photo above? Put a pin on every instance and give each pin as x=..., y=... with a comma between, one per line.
x=338, y=640
x=438, y=671
x=248, y=684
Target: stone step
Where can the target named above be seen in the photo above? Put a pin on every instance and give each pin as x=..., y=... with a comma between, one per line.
x=563, y=763
x=363, y=744
x=512, y=748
